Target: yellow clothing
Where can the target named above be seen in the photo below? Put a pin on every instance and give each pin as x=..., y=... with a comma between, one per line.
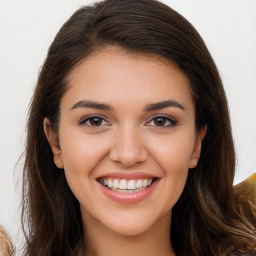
x=248, y=188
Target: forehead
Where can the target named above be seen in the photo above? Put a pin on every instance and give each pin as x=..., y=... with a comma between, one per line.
x=114, y=73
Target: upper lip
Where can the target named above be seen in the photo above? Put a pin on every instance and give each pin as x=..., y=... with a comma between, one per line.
x=128, y=175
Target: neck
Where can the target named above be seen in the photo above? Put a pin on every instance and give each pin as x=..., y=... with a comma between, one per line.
x=101, y=241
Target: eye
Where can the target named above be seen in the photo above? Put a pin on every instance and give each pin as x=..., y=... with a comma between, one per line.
x=162, y=121
x=94, y=121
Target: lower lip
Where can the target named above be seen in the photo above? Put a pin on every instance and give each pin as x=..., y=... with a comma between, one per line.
x=128, y=197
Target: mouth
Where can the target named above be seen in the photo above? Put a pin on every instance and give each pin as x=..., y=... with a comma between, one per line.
x=129, y=186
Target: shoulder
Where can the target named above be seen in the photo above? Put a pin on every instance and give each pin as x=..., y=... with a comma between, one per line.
x=248, y=253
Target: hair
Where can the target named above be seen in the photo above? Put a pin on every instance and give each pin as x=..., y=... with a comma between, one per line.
x=209, y=218
x=6, y=246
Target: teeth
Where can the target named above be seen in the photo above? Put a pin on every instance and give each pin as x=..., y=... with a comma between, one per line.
x=130, y=191
x=131, y=184
x=126, y=186
x=109, y=183
x=123, y=184
x=145, y=183
x=139, y=184
x=116, y=183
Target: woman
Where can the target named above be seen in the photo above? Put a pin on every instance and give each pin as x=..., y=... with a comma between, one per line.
x=129, y=147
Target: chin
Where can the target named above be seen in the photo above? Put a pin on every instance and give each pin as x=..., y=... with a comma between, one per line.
x=131, y=229
x=135, y=224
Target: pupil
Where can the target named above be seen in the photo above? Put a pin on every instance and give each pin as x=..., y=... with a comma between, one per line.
x=160, y=121
x=96, y=121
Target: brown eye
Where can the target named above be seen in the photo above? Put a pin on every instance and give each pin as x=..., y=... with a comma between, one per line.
x=162, y=122
x=159, y=121
x=94, y=121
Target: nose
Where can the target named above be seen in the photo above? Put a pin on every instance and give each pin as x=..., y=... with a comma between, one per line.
x=128, y=147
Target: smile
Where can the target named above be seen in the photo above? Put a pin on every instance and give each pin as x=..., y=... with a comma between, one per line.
x=125, y=185
x=127, y=188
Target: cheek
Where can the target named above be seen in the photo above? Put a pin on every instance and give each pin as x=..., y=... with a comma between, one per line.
x=173, y=154
x=80, y=152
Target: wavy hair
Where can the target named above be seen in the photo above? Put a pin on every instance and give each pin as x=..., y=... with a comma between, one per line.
x=209, y=218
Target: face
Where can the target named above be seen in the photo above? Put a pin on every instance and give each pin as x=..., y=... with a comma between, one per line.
x=127, y=138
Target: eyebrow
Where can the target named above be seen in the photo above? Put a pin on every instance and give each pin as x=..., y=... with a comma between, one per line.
x=164, y=104
x=149, y=107
x=92, y=104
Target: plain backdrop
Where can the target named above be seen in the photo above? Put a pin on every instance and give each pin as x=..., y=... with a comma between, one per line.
x=28, y=27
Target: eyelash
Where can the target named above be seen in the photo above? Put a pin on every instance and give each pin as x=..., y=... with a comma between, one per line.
x=91, y=118
x=170, y=121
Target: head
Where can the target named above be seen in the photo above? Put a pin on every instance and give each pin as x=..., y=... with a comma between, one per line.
x=143, y=28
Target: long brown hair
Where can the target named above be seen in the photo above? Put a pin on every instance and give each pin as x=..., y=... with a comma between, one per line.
x=207, y=219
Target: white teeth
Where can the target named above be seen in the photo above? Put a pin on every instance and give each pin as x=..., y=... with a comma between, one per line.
x=126, y=186
x=110, y=183
x=131, y=184
x=139, y=184
x=127, y=190
x=145, y=183
x=116, y=183
x=123, y=184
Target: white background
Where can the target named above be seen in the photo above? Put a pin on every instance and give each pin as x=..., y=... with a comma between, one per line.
x=28, y=27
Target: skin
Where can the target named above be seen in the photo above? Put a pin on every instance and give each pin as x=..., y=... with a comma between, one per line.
x=127, y=139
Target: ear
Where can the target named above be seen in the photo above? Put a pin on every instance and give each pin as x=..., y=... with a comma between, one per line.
x=53, y=140
x=197, y=147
